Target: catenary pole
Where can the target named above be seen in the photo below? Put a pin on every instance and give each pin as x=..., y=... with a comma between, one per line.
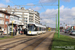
x=58, y=18
x=56, y=23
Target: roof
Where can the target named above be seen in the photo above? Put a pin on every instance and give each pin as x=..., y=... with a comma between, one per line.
x=38, y=25
x=5, y=12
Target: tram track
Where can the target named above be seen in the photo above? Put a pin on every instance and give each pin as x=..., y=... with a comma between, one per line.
x=6, y=40
x=11, y=39
x=34, y=44
x=13, y=44
x=16, y=43
x=45, y=44
x=19, y=47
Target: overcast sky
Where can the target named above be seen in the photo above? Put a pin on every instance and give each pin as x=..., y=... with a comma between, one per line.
x=48, y=13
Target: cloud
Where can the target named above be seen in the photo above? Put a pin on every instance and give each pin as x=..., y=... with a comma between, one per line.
x=7, y=1
x=47, y=1
x=67, y=0
x=66, y=15
x=2, y=5
x=30, y=4
x=32, y=7
x=37, y=8
x=51, y=1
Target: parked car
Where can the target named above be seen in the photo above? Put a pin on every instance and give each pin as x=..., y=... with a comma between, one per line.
x=66, y=31
x=72, y=32
x=62, y=30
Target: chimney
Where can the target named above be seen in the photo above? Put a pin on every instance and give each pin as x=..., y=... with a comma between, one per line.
x=8, y=6
x=22, y=8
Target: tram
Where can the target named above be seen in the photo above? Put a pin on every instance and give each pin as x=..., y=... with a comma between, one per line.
x=34, y=29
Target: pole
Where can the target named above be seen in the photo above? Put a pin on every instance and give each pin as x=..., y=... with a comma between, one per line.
x=56, y=23
x=7, y=29
x=58, y=18
x=12, y=27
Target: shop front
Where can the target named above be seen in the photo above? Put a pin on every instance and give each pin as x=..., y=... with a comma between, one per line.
x=14, y=29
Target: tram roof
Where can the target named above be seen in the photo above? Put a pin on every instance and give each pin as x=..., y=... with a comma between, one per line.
x=38, y=25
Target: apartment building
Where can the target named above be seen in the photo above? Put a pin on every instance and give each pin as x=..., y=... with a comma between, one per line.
x=26, y=15
x=4, y=20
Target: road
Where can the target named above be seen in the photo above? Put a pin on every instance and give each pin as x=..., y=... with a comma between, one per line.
x=39, y=42
x=62, y=33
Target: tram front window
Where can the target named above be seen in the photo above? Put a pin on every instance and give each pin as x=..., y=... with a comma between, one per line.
x=31, y=27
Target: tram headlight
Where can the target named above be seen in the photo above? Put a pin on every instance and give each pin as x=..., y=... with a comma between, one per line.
x=29, y=31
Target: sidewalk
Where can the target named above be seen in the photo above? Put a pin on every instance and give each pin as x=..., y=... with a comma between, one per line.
x=1, y=36
x=8, y=39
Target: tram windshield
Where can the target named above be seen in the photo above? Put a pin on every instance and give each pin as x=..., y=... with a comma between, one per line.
x=31, y=27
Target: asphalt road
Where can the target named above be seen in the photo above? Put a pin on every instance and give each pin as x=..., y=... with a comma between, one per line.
x=67, y=34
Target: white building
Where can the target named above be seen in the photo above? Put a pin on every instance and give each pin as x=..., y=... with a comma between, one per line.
x=26, y=16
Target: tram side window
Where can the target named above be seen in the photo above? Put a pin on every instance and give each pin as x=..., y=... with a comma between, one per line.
x=36, y=28
x=39, y=28
x=0, y=27
x=42, y=29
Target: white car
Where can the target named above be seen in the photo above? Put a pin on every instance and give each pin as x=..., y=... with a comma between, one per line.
x=72, y=32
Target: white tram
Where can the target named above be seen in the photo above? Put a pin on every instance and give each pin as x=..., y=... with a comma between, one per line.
x=34, y=29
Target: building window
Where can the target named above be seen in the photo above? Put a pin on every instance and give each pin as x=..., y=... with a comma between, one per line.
x=18, y=13
x=7, y=17
x=30, y=21
x=1, y=21
x=1, y=15
x=11, y=18
x=31, y=16
x=26, y=18
x=16, y=18
x=20, y=18
x=26, y=21
x=26, y=14
x=6, y=22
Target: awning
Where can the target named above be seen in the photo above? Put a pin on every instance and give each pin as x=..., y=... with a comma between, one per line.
x=11, y=24
x=20, y=24
x=16, y=24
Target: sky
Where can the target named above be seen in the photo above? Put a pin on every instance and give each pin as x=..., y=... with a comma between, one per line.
x=48, y=13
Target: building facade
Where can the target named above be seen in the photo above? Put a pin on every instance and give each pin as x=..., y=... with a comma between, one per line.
x=26, y=15
x=14, y=23
x=4, y=20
